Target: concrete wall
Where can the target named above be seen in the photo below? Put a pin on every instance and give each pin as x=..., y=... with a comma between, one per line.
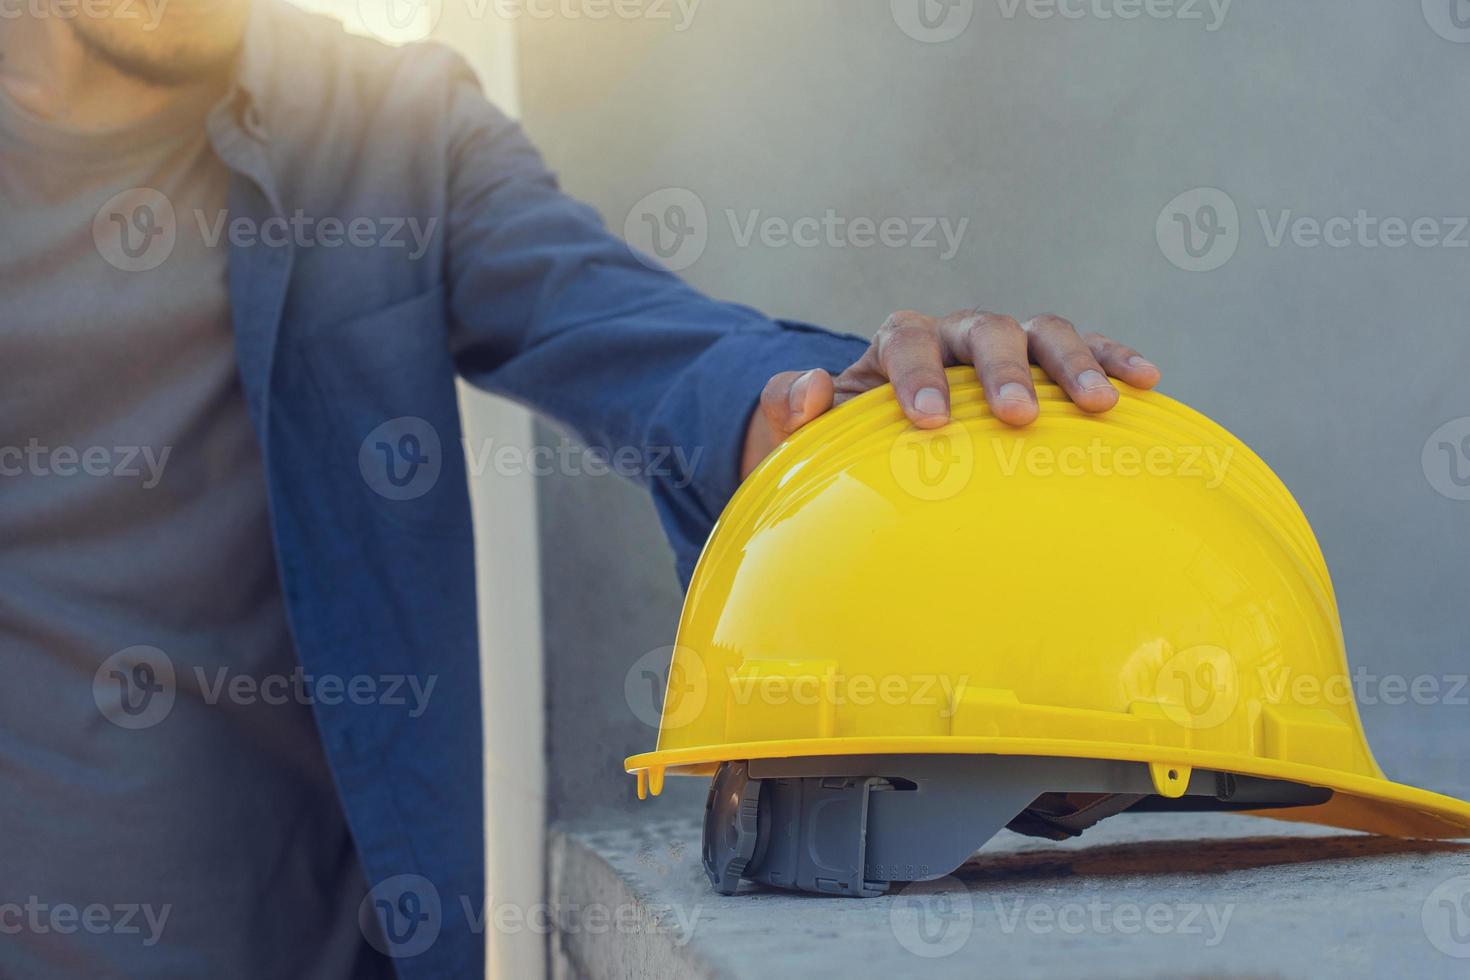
x=1062, y=140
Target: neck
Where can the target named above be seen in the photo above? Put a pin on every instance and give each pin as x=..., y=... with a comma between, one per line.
x=48, y=71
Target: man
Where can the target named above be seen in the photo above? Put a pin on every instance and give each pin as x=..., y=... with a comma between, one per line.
x=225, y=369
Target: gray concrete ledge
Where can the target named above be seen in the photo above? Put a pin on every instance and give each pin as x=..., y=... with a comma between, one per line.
x=1152, y=895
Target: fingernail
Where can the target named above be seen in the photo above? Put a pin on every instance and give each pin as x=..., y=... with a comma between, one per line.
x=798, y=392
x=1089, y=380
x=930, y=401
x=1013, y=391
x=1141, y=362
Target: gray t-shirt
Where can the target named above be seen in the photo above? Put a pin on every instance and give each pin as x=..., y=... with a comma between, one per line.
x=146, y=828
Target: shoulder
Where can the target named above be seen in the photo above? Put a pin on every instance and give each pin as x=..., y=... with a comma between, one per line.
x=310, y=72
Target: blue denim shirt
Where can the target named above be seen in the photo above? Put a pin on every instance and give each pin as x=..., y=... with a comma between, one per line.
x=349, y=356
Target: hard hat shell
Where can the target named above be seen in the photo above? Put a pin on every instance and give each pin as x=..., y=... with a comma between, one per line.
x=1136, y=586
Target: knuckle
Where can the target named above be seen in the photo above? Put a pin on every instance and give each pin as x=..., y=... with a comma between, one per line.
x=1106, y=348
x=774, y=394
x=986, y=325
x=900, y=320
x=1008, y=369
x=901, y=328
x=910, y=335
x=999, y=320
x=1049, y=324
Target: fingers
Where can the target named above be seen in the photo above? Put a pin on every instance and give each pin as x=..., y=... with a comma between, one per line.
x=793, y=399
x=1070, y=362
x=911, y=351
x=912, y=357
x=997, y=346
x=1121, y=361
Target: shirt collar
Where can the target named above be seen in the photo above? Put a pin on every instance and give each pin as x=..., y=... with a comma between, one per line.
x=253, y=70
x=255, y=65
x=239, y=127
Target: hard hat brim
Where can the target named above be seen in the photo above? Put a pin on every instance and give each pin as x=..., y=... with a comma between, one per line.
x=1374, y=805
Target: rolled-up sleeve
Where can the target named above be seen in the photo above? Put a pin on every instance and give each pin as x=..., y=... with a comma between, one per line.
x=549, y=309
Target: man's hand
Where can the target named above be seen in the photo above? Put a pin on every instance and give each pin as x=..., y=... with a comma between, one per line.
x=912, y=350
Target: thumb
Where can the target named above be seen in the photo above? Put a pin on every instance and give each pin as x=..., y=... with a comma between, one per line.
x=789, y=401
x=793, y=399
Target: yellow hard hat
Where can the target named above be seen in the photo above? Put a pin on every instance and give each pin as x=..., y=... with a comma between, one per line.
x=898, y=641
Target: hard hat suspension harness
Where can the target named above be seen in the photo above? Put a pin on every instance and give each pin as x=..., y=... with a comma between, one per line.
x=852, y=825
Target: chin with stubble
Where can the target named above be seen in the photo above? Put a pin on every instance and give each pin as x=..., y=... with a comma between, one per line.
x=166, y=42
